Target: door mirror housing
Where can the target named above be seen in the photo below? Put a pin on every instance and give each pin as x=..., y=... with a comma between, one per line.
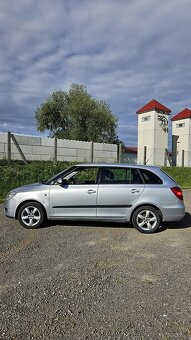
x=62, y=182
x=65, y=182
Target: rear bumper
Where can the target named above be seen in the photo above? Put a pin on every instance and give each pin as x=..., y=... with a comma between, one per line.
x=175, y=213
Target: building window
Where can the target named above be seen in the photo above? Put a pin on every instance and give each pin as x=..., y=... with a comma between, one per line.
x=146, y=118
x=180, y=125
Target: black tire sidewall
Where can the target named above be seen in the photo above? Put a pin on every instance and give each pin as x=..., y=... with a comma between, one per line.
x=42, y=214
x=154, y=211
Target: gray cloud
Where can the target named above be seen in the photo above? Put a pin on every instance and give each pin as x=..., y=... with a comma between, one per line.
x=125, y=52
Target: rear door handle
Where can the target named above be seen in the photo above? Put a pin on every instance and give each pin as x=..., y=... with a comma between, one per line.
x=91, y=191
x=135, y=191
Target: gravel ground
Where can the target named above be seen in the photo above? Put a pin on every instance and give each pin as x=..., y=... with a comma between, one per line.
x=101, y=281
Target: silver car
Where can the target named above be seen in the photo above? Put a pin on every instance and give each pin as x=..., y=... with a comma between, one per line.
x=142, y=195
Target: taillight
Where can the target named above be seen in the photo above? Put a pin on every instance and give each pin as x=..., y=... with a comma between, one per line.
x=178, y=192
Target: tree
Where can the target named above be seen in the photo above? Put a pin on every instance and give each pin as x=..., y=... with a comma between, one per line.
x=76, y=115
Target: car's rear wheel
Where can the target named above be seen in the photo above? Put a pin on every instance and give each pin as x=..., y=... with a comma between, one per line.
x=146, y=219
x=31, y=215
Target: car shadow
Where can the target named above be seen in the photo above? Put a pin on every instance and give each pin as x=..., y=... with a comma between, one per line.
x=92, y=224
x=182, y=224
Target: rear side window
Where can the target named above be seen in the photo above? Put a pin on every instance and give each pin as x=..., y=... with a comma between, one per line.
x=120, y=176
x=149, y=177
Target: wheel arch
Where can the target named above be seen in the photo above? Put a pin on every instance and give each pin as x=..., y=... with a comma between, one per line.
x=27, y=201
x=148, y=205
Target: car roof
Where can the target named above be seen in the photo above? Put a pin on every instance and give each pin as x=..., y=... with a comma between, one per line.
x=118, y=165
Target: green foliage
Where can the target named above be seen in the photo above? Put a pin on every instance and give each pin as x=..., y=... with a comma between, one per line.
x=181, y=175
x=76, y=115
x=16, y=174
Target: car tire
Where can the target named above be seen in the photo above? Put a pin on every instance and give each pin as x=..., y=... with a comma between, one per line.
x=146, y=219
x=31, y=215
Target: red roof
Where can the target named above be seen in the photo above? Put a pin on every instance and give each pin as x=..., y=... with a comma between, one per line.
x=130, y=149
x=186, y=113
x=154, y=105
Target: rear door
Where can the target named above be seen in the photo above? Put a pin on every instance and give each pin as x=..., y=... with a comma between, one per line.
x=119, y=190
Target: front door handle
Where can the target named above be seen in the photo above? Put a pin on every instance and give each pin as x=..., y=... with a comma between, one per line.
x=91, y=191
x=135, y=191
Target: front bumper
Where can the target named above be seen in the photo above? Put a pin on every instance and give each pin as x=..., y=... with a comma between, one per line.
x=10, y=208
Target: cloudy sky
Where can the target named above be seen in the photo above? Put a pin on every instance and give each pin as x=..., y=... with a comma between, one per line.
x=125, y=52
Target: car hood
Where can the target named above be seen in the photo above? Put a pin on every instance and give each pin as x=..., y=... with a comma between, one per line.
x=29, y=187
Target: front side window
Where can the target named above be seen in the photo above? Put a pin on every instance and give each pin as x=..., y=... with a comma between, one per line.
x=120, y=176
x=82, y=176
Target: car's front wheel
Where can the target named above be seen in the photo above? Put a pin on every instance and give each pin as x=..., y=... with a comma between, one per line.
x=31, y=215
x=146, y=219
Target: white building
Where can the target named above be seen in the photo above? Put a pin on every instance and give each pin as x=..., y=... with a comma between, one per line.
x=153, y=133
x=181, y=131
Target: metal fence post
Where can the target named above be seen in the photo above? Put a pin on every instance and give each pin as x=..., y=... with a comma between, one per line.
x=183, y=158
x=174, y=149
x=165, y=157
x=145, y=155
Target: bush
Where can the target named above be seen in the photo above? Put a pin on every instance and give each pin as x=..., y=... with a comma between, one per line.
x=181, y=175
x=17, y=174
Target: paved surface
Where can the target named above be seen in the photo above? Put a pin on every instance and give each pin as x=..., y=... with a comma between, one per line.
x=104, y=281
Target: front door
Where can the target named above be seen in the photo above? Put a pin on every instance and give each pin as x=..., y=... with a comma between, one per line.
x=77, y=196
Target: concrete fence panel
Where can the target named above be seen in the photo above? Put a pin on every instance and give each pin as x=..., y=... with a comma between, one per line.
x=43, y=148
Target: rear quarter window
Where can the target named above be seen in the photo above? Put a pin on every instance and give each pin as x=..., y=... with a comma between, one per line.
x=149, y=177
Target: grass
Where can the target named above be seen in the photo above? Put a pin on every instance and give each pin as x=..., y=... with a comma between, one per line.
x=181, y=175
x=16, y=174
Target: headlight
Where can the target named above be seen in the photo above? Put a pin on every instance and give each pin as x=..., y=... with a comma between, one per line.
x=10, y=195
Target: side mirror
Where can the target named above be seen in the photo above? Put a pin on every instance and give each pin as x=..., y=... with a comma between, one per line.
x=59, y=181
x=65, y=182
x=62, y=182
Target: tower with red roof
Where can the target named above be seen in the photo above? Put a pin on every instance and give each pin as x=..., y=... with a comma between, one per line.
x=181, y=131
x=152, y=133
